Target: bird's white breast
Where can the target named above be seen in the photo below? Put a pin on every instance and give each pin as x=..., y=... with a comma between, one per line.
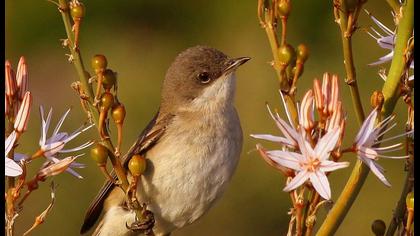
x=191, y=168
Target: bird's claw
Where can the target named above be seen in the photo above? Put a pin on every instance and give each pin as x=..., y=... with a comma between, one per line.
x=144, y=224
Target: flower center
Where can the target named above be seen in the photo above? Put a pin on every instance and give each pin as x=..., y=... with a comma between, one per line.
x=312, y=165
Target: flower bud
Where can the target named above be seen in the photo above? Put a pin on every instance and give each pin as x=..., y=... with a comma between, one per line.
x=77, y=10
x=118, y=113
x=378, y=227
x=99, y=63
x=11, y=86
x=22, y=117
x=56, y=168
x=107, y=100
x=302, y=53
x=99, y=154
x=109, y=79
x=409, y=200
x=284, y=7
x=22, y=78
x=286, y=54
x=137, y=165
x=295, y=70
x=377, y=99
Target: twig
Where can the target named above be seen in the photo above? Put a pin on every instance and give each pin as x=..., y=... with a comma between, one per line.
x=41, y=218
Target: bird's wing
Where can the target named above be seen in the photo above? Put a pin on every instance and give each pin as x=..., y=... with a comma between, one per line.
x=146, y=140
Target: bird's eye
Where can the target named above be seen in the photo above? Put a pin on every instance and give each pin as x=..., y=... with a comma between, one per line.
x=204, y=77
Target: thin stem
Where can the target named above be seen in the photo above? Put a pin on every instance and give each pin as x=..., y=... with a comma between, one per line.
x=348, y=61
x=80, y=69
x=394, y=4
x=391, y=94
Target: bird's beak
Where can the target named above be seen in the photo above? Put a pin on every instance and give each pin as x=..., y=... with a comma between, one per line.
x=233, y=64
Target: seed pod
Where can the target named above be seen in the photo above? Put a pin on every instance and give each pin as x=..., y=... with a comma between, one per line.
x=137, y=165
x=77, y=11
x=99, y=63
x=284, y=8
x=99, y=154
x=107, y=100
x=378, y=227
x=109, y=79
x=118, y=113
x=286, y=54
x=302, y=53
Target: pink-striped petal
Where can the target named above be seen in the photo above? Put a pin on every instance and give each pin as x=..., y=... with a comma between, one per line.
x=22, y=117
x=328, y=166
x=12, y=168
x=297, y=181
x=320, y=182
x=22, y=78
x=11, y=86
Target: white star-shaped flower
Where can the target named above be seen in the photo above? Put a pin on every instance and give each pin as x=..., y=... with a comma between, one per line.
x=311, y=163
x=367, y=139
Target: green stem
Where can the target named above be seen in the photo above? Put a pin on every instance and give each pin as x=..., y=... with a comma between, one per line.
x=391, y=95
x=80, y=69
x=395, y=5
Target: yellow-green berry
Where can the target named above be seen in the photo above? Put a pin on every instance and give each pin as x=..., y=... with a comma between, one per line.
x=378, y=227
x=99, y=63
x=109, y=79
x=137, y=165
x=107, y=100
x=99, y=154
x=118, y=113
x=302, y=53
x=286, y=54
x=284, y=8
x=77, y=11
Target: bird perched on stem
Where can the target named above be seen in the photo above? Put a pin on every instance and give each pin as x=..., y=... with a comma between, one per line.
x=192, y=147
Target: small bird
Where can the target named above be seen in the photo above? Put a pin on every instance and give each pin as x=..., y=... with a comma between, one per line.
x=192, y=147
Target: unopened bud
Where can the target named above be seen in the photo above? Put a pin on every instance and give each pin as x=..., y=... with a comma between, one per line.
x=77, y=10
x=335, y=93
x=377, y=99
x=284, y=7
x=286, y=54
x=22, y=117
x=107, y=100
x=22, y=78
x=11, y=86
x=99, y=154
x=56, y=168
x=118, y=113
x=409, y=200
x=109, y=79
x=99, y=63
x=378, y=227
x=302, y=53
x=319, y=98
x=137, y=165
x=307, y=112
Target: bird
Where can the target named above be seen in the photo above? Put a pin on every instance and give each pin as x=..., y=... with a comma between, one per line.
x=192, y=147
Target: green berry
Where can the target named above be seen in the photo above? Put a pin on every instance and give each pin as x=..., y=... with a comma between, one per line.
x=378, y=227
x=284, y=8
x=77, y=11
x=286, y=54
x=302, y=53
x=137, y=165
x=99, y=63
x=118, y=113
x=109, y=79
x=99, y=154
x=107, y=100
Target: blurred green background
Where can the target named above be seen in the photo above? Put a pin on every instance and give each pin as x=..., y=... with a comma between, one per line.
x=140, y=39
